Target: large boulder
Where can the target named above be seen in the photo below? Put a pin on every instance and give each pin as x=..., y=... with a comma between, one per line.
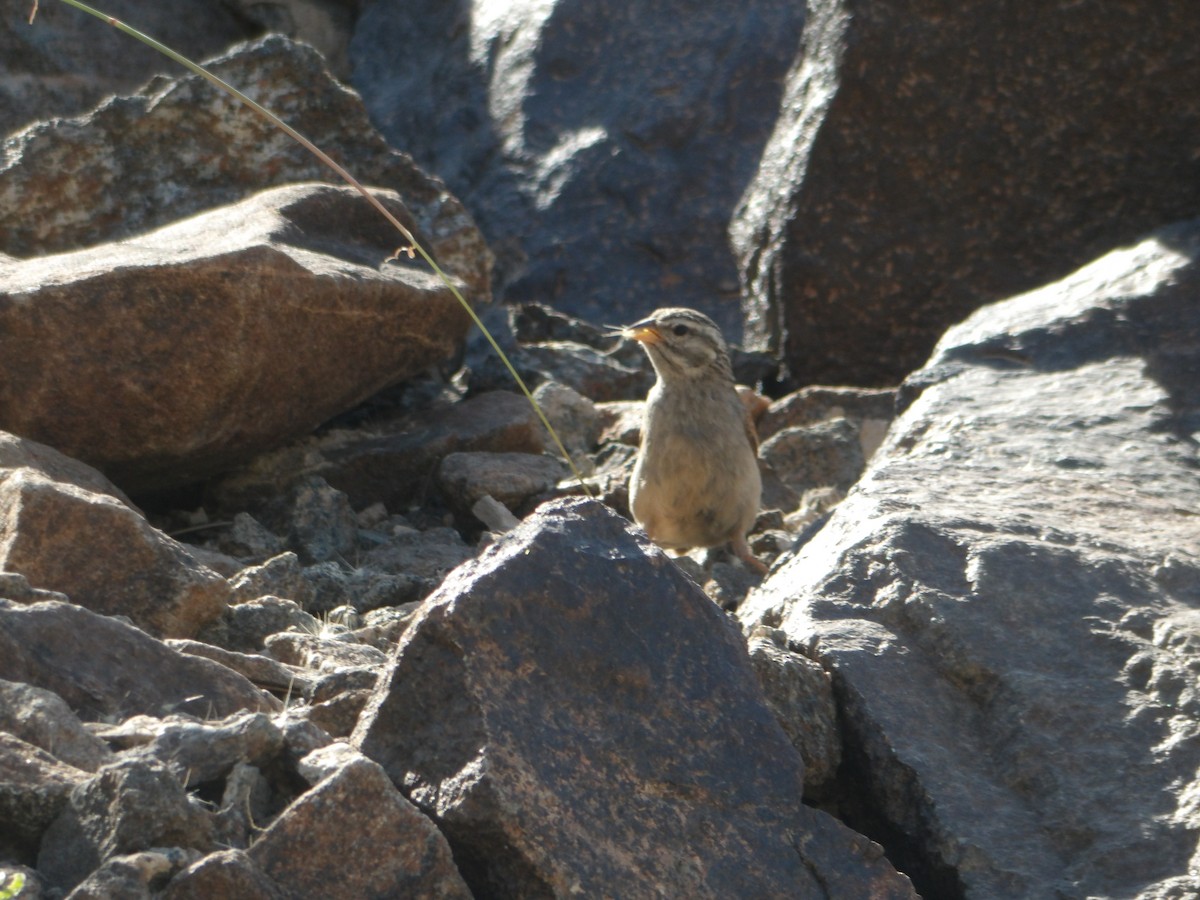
x=581, y=720
x=1007, y=600
x=602, y=150
x=164, y=358
x=934, y=156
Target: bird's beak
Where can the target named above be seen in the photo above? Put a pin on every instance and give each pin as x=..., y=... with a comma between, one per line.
x=644, y=333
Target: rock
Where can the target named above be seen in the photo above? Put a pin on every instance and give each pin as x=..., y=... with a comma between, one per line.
x=280, y=576
x=325, y=25
x=34, y=788
x=511, y=478
x=181, y=147
x=310, y=651
x=828, y=454
x=564, y=736
x=604, y=162
x=229, y=873
x=494, y=514
x=426, y=554
x=295, y=260
x=102, y=667
x=886, y=207
x=323, y=522
x=871, y=411
x=264, y=672
x=799, y=692
x=353, y=836
x=1006, y=600
x=68, y=61
x=21, y=453
x=243, y=628
x=200, y=752
x=134, y=876
x=43, y=719
x=573, y=416
x=247, y=538
x=128, y=806
x=394, y=462
x=103, y=555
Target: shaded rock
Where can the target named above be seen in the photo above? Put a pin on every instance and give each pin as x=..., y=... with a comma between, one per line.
x=799, y=692
x=103, y=667
x=426, y=554
x=602, y=160
x=920, y=168
x=511, y=478
x=353, y=836
x=34, y=787
x=395, y=461
x=180, y=147
x=262, y=671
x=1006, y=600
x=244, y=627
x=572, y=415
x=229, y=873
x=22, y=453
x=68, y=61
x=280, y=576
x=325, y=25
x=310, y=651
x=128, y=806
x=293, y=265
x=103, y=555
x=199, y=752
x=828, y=454
x=338, y=715
x=870, y=411
x=135, y=876
x=323, y=522
x=563, y=738
x=494, y=515
x=43, y=719
x=247, y=538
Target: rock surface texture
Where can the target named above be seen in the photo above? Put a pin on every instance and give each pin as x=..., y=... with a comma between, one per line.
x=1007, y=600
x=931, y=157
x=167, y=357
x=582, y=696
x=603, y=150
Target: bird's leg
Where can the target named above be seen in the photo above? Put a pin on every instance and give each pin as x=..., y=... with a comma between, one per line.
x=742, y=550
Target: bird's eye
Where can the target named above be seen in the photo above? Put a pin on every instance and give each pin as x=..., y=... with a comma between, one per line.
x=680, y=330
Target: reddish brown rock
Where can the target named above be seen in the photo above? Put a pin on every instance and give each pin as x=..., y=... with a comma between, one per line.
x=103, y=555
x=208, y=318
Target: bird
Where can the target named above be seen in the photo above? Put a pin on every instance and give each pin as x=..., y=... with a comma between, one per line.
x=695, y=482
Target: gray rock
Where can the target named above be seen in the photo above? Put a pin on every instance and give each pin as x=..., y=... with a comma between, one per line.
x=920, y=167
x=103, y=667
x=568, y=731
x=600, y=159
x=128, y=806
x=263, y=671
x=244, y=627
x=512, y=478
x=280, y=576
x=354, y=835
x=228, y=873
x=34, y=789
x=799, y=692
x=247, y=538
x=67, y=61
x=303, y=259
x=43, y=719
x=134, y=876
x=428, y=554
x=103, y=554
x=1006, y=600
x=181, y=147
x=323, y=523
x=200, y=752
x=828, y=454
x=573, y=416
x=310, y=651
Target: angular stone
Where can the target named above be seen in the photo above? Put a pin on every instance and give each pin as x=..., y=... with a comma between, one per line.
x=34, y=788
x=827, y=454
x=181, y=147
x=134, y=876
x=68, y=61
x=43, y=719
x=1006, y=599
x=603, y=159
x=354, y=836
x=128, y=806
x=920, y=167
x=511, y=478
x=575, y=751
x=297, y=263
x=200, y=752
x=104, y=555
x=104, y=668
x=229, y=873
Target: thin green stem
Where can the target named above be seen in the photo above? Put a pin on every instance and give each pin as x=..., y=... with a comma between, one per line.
x=354, y=183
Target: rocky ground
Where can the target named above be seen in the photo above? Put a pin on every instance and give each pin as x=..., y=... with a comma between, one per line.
x=298, y=597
